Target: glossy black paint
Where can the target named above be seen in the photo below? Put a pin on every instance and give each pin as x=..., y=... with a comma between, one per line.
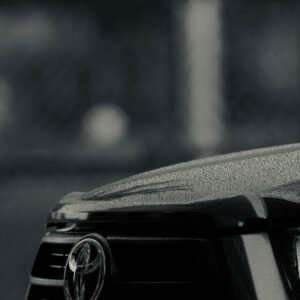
x=252, y=189
x=232, y=207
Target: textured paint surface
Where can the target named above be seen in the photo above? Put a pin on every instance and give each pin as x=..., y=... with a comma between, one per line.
x=270, y=172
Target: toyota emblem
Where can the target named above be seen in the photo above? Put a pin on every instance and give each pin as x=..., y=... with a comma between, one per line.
x=85, y=269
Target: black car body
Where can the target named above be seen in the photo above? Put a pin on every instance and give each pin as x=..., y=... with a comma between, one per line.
x=217, y=228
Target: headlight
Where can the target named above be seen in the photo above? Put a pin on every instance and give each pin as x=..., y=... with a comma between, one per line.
x=287, y=250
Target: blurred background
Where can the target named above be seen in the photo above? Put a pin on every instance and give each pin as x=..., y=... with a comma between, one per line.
x=93, y=91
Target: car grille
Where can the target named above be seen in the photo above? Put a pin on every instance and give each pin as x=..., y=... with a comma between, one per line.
x=142, y=267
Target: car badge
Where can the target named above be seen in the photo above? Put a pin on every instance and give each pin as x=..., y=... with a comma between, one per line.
x=85, y=269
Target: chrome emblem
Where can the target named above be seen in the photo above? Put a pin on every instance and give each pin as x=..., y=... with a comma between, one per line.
x=85, y=270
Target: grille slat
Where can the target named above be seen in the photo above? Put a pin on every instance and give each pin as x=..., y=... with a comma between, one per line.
x=59, y=254
x=56, y=267
x=46, y=282
x=51, y=261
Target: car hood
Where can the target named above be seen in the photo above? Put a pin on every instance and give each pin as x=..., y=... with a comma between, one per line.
x=261, y=183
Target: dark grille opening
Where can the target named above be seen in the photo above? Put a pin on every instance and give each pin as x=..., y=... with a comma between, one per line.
x=45, y=293
x=142, y=268
x=150, y=268
x=158, y=260
x=160, y=292
x=51, y=261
